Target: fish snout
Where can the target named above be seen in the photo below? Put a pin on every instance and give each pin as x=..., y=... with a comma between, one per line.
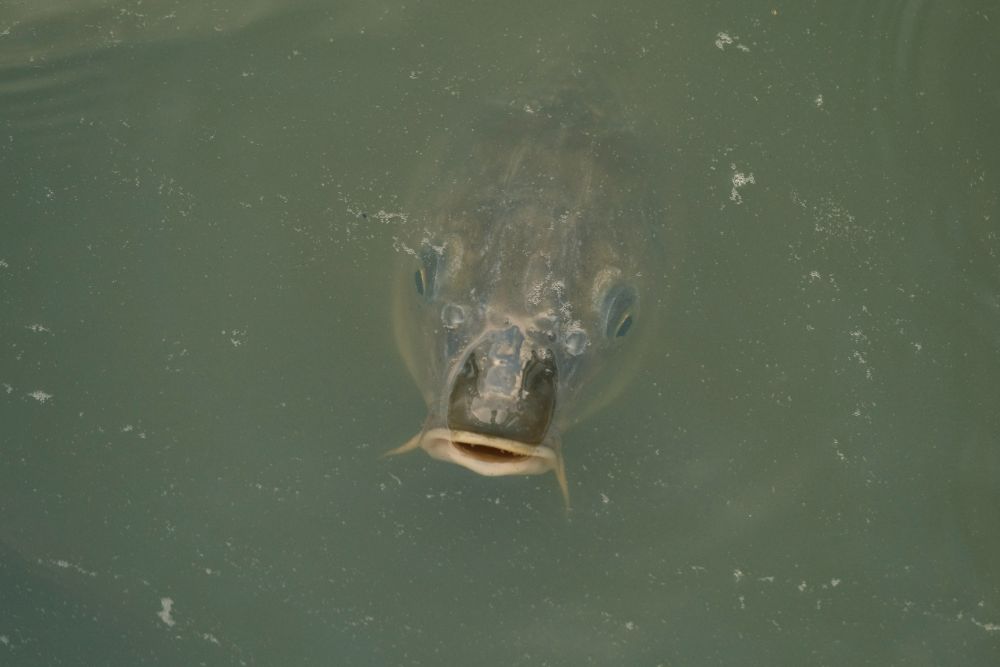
x=505, y=389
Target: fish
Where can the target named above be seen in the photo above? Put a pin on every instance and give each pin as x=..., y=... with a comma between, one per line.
x=521, y=304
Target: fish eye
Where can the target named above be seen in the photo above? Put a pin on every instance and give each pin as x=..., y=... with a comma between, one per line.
x=620, y=304
x=623, y=328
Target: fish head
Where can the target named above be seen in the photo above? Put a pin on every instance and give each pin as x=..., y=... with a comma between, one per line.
x=506, y=364
x=517, y=304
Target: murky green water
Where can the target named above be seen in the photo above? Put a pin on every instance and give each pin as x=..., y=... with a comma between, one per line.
x=198, y=205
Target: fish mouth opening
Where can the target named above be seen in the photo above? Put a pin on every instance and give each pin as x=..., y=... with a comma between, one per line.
x=488, y=453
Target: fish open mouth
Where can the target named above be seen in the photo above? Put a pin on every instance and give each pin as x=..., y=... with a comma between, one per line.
x=489, y=455
x=487, y=452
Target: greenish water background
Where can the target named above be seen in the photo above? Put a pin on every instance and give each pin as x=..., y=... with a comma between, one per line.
x=197, y=373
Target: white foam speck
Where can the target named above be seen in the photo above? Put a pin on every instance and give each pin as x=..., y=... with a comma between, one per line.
x=40, y=396
x=724, y=39
x=5, y=640
x=164, y=613
x=739, y=180
x=237, y=337
x=391, y=217
x=38, y=328
x=988, y=627
x=66, y=565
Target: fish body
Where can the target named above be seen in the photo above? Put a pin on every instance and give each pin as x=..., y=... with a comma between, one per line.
x=517, y=305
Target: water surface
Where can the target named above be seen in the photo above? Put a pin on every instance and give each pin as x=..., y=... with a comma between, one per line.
x=197, y=372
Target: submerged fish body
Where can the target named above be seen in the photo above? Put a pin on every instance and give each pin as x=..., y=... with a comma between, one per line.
x=517, y=307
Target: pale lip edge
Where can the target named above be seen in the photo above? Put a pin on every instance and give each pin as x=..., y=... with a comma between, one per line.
x=439, y=443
